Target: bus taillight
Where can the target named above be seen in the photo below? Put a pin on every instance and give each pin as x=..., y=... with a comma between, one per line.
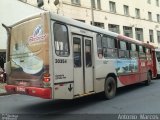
x=46, y=77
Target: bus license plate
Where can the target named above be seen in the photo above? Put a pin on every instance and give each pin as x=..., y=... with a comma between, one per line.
x=20, y=89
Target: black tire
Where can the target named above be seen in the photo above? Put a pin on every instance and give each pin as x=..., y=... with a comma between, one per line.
x=148, y=81
x=158, y=76
x=110, y=88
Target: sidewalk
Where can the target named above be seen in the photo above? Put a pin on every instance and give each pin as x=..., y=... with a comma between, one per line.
x=2, y=89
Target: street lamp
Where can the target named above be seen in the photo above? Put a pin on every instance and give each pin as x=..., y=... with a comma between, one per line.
x=92, y=12
x=40, y=3
x=56, y=2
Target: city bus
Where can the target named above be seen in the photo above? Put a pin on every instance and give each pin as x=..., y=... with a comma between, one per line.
x=55, y=57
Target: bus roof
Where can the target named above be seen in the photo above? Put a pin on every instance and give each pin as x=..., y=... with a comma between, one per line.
x=68, y=21
x=128, y=39
x=79, y=24
x=82, y=25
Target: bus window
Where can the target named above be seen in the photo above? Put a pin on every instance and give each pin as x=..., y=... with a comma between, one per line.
x=158, y=56
x=144, y=49
x=104, y=44
x=77, y=52
x=133, y=52
x=148, y=54
x=140, y=49
x=133, y=47
x=123, y=52
x=61, y=40
x=99, y=46
x=110, y=51
x=142, y=54
x=148, y=51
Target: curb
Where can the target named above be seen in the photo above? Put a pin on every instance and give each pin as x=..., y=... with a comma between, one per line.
x=3, y=94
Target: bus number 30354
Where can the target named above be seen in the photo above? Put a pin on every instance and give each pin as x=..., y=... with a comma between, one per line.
x=60, y=61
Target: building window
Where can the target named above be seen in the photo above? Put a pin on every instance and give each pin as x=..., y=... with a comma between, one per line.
x=126, y=10
x=127, y=31
x=75, y=2
x=151, y=36
x=139, y=34
x=93, y=3
x=113, y=28
x=137, y=11
x=99, y=4
x=158, y=37
x=149, y=1
x=98, y=24
x=112, y=6
x=150, y=16
x=158, y=18
x=157, y=3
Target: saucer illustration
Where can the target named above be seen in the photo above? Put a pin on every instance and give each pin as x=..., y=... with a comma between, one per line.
x=27, y=60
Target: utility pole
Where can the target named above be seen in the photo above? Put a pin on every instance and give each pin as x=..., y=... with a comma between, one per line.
x=92, y=12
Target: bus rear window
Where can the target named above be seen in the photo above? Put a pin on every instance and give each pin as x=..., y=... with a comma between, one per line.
x=61, y=40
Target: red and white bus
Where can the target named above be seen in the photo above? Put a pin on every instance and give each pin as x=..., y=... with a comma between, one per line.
x=55, y=57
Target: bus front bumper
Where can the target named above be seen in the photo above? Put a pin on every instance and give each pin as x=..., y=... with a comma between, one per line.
x=32, y=91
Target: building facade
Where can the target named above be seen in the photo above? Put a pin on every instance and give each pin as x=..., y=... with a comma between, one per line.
x=139, y=19
x=17, y=11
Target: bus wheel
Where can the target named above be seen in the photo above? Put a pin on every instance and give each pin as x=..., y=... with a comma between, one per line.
x=148, y=81
x=110, y=88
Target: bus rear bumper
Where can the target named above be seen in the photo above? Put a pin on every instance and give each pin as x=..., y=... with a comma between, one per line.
x=32, y=91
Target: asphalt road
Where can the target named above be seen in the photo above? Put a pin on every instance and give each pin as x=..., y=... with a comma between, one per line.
x=134, y=99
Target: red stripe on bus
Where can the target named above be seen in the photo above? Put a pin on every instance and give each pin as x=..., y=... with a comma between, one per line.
x=32, y=91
